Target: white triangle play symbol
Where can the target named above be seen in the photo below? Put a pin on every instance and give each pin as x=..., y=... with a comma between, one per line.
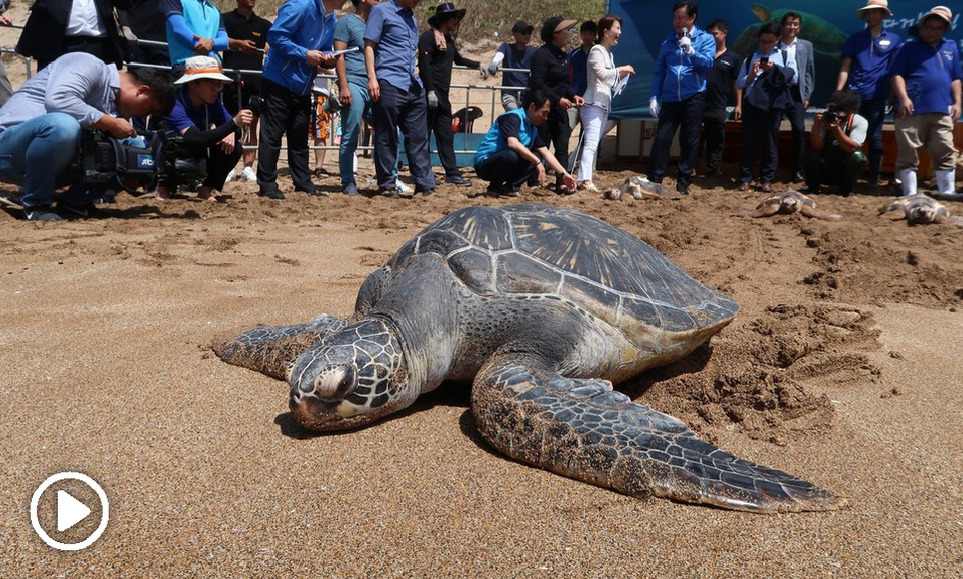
x=70, y=511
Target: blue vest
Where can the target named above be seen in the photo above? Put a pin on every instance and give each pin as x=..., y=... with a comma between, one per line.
x=495, y=142
x=202, y=18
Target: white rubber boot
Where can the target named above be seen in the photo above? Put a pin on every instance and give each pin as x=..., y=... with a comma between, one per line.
x=907, y=178
x=946, y=183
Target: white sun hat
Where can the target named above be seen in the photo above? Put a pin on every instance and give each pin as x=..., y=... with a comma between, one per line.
x=198, y=67
x=875, y=5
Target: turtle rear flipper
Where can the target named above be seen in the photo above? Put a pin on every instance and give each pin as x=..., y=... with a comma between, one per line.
x=272, y=349
x=814, y=213
x=584, y=430
x=765, y=210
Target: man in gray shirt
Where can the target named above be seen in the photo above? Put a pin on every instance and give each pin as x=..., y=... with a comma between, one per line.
x=40, y=125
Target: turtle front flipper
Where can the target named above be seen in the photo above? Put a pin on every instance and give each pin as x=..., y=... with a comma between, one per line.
x=272, y=349
x=814, y=213
x=584, y=430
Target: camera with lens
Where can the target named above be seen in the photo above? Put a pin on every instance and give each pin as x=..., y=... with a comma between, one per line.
x=106, y=163
x=834, y=117
x=134, y=164
x=255, y=104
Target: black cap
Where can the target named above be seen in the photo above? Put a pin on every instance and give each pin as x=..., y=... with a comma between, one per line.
x=522, y=27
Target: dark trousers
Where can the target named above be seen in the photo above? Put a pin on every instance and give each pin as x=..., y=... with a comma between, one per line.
x=874, y=111
x=760, y=132
x=687, y=114
x=217, y=163
x=796, y=114
x=556, y=132
x=439, y=122
x=505, y=169
x=284, y=113
x=101, y=47
x=714, y=133
x=408, y=111
x=834, y=167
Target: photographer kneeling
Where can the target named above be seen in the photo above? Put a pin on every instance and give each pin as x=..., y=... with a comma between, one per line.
x=835, y=155
x=207, y=130
x=40, y=126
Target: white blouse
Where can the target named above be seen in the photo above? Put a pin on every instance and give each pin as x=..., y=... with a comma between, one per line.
x=601, y=77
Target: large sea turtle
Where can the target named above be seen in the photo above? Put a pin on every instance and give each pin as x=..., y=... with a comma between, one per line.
x=826, y=37
x=540, y=309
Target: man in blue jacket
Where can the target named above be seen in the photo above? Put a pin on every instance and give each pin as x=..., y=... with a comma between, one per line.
x=685, y=60
x=302, y=30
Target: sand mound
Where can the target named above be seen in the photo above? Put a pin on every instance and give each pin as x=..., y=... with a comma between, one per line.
x=762, y=376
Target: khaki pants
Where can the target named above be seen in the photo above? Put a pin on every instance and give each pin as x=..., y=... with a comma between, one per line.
x=931, y=130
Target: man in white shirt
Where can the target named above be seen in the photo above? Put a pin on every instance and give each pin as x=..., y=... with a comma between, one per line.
x=799, y=57
x=835, y=154
x=56, y=27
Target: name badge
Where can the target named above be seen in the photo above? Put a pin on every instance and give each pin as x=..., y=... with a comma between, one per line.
x=884, y=42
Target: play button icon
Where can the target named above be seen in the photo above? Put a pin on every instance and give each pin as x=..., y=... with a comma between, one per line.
x=70, y=511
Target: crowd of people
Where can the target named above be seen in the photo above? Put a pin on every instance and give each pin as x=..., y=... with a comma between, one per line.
x=396, y=78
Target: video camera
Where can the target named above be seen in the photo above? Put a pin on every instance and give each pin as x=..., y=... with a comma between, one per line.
x=132, y=164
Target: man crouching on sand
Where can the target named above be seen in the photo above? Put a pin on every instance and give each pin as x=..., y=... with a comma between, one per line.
x=40, y=124
x=507, y=158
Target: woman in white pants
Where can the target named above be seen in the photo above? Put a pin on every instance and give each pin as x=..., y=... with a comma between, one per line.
x=602, y=76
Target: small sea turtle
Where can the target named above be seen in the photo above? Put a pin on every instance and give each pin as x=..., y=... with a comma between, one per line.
x=921, y=210
x=540, y=309
x=636, y=186
x=791, y=202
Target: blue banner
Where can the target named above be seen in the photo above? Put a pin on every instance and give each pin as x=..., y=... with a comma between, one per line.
x=825, y=23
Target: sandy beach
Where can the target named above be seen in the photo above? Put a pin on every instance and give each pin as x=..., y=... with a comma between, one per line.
x=843, y=367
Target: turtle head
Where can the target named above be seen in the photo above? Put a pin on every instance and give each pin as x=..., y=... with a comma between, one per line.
x=789, y=204
x=921, y=214
x=351, y=379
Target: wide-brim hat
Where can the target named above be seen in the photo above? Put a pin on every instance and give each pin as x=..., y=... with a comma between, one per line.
x=556, y=24
x=941, y=12
x=445, y=11
x=875, y=5
x=198, y=67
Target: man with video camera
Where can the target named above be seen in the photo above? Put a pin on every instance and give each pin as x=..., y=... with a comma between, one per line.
x=207, y=130
x=835, y=157
x=40, y=126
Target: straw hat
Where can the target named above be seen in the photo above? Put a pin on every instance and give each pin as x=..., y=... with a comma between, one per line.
x=875, y=5
x=941, y=12
x=198, y=67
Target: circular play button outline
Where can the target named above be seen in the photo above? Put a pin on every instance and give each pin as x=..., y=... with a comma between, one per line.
x=104, y=511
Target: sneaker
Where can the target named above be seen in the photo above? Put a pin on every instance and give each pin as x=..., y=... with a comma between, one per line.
x=588, y=186
x=402, y=188
x=230, y=176
x=270, y=194
x=495, y=189
x=249, y=175
x=44, y=213
x=426, y=191
x=350, y=189
x=458, y=180
x=682, y=188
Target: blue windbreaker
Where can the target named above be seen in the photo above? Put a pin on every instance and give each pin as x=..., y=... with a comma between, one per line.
x=301, y=25
x=678, y=76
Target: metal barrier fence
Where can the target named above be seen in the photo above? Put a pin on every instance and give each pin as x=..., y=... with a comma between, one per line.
x=238, y=73
x=27, y=61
